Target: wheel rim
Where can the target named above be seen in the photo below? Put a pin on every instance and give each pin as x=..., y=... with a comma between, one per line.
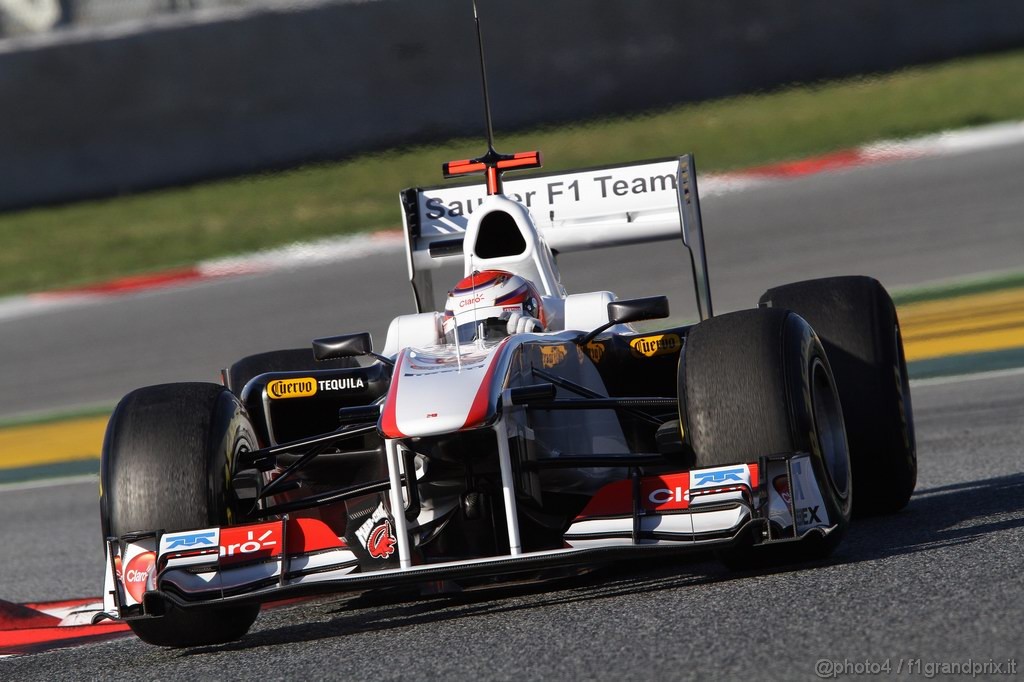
x=828, y=422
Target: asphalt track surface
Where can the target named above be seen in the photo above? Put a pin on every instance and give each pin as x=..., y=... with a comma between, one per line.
x=906, y=223
x=939, y=582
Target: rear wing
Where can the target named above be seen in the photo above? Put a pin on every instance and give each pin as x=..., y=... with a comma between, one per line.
x=575, y=210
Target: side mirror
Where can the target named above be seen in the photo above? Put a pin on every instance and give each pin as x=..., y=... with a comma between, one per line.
x=637, y=309
x=630, y=310
x=344, y=346
x=347, y=346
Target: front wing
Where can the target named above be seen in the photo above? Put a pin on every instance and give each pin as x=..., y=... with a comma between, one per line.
x=776, y=500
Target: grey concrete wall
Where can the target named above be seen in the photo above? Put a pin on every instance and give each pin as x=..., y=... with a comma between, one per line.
x=100, y=114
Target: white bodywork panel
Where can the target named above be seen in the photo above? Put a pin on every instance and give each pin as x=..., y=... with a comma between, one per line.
x=573, y=211
x=800, y=495
x=438, y=388
x=535, y=262
x=584, y=312
x=416, y=330
x=557, y=213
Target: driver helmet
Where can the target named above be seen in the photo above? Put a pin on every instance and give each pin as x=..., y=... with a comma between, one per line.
x=480, y=305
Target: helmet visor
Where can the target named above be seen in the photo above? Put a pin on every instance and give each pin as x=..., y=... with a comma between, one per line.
x=484, y=329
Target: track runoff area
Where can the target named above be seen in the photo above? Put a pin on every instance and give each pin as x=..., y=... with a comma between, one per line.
x=945, y=337
x=968, y=329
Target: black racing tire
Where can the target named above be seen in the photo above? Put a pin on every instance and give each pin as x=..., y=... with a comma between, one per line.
x=757, y=382
x=857, y=323
x=166, y=464
x=286, y=360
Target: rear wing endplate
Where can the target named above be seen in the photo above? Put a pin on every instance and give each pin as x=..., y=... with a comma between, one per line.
x=576, y=210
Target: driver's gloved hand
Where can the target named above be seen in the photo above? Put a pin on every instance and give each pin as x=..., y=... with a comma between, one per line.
x=523, y=324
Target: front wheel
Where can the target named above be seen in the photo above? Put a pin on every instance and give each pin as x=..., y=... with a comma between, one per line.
x=757, y=382
x=167, y=460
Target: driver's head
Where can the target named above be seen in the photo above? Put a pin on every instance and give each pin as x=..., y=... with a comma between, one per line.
x=480, y=305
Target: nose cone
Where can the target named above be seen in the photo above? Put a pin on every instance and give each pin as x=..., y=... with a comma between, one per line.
x=436, y=391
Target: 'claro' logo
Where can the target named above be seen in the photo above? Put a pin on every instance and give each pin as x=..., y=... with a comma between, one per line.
x=302, y=387
x=137, y=573
x=657, y=344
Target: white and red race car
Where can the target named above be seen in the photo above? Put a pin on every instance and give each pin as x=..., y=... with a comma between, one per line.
x=477, y=443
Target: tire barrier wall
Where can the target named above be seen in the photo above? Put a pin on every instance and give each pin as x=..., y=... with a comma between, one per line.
x=107, y=111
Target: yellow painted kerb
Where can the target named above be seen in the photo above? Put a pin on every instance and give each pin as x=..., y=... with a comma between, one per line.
x=976, y=323
x=65, y=441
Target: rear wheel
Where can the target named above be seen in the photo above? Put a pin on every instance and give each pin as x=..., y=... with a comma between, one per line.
x=856, y=321
x=167, y=461
x=757, y=382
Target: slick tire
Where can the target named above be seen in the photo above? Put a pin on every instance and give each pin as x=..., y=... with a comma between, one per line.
x=287, y=360
x=167, y=458
x=856, y=321
x=757, y=382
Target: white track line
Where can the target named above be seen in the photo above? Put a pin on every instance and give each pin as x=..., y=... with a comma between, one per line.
x=950, y=142
x=332, y=250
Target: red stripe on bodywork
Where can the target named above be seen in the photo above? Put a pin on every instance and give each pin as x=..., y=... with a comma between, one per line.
x=311, y=535
x=616, y=499
x=480, y=409
x=388, y=424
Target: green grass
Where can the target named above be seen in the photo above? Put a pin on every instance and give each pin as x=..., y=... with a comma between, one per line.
x=960, y=287
x=90, y=241
x=53, y=417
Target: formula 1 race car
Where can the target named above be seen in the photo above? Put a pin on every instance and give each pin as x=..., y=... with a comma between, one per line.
x=520, y=429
